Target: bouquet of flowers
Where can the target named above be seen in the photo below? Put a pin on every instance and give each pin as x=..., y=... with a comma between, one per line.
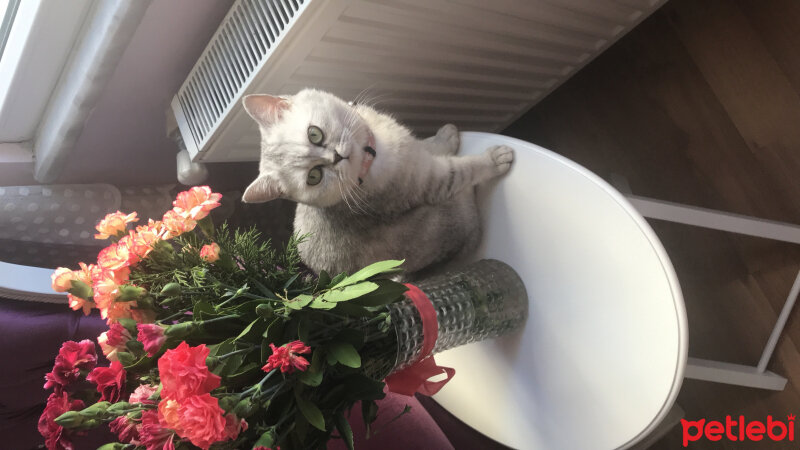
x=218, y=340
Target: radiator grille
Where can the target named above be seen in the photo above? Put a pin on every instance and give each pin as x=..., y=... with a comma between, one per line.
x=239, y=47
x=479, y=64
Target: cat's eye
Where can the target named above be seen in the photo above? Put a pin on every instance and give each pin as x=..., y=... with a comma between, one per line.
x=314, y=176
x=315, y=135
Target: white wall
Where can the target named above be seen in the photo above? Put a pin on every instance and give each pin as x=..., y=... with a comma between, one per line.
x=124, y=140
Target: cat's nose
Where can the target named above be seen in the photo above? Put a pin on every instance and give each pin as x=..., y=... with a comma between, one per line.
x=337, y=157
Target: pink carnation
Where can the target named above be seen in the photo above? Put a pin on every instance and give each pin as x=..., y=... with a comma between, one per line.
x=114, y=340
x=142, y=394
x=287, y=357
x=184, y=372
x=152, y=435
x=202, y=420
x=152, y=336
x=126, y=429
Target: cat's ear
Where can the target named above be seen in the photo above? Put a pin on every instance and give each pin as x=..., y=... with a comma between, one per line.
x=265, y=109
x=263, y=189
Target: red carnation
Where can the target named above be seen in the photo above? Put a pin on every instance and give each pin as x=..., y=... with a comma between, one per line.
x=152, y=336
x=184, y=372
x=202, y=420
x=286, y=357
x=152, y=435
x=72, y=358
x=110, y=381
x=233, y=426
x=55, y=436
x=125, y=428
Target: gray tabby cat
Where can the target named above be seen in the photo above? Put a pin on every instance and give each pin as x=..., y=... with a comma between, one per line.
x=366, y=188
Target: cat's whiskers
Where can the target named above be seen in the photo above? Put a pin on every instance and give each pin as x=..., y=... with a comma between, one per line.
x=344, y=197
x=349, y=196
x=357, y=194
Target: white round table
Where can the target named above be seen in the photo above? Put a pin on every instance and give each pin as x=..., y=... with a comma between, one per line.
x=602, y=355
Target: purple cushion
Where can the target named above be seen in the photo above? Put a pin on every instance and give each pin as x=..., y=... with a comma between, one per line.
x=31, y=335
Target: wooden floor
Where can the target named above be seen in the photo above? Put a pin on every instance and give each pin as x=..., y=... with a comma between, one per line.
x=701, y=105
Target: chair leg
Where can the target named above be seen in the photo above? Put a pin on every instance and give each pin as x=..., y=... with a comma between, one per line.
x=717, y=371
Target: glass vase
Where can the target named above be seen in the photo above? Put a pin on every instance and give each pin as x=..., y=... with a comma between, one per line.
x=481, y=301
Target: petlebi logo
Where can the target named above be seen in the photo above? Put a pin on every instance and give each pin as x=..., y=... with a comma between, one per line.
x=740, y=430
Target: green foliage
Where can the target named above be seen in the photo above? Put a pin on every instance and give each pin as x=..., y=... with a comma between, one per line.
x=254, y=296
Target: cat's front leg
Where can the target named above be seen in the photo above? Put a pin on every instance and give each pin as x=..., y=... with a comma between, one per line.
x=450, y=175
x=445, y=142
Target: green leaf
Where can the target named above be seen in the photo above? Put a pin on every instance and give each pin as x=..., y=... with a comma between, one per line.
x=353, y=310
x=246, y=330
x=266, y=439
x=370, y=271
x=352, y=336
x=369, y=412
x=128, y=324
x=349, y=292
x=319, y=303
x=323, y=280
x=203, y=309
x=387, y=292
x=232, y=364
x=291, y=280
x=316, y=361
x=265, y=291
x=274, y=332
x=337, y=279
x=243, y=371
x=345, y=354
x=80, y=289
x=134, y=346
x=299, y=302
x=310, y=411
x=311, y=378
x=222, y=348
x=358, y=386
x=303, y=329
x=344, y=430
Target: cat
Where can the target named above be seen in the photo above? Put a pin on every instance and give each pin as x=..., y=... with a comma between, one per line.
x=367, y=189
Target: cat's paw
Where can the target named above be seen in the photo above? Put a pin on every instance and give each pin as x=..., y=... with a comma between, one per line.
x=502, y=156
x=449, y=136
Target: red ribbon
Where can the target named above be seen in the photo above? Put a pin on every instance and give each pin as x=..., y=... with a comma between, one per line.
x=414, y=378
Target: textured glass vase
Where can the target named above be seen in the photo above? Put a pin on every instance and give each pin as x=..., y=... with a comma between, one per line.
x=484, y=300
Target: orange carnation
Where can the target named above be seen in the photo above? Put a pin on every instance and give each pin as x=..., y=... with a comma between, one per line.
x=147, y=236
x=210, y=252
x=86, y=273
x=168, y=415
x=105, y=285
x=77, y=303
x=116, y=311
x=176, y=224
x=196, y=203
x=114, y=257
x=114, y=224
x=62, y=278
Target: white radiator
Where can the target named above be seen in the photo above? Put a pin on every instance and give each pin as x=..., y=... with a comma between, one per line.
x=477, y=63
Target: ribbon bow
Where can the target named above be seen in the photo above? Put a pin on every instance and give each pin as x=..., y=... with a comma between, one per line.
x=414, y=378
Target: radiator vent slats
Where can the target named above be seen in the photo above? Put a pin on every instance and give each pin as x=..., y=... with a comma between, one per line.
x=477, y=63
x=239, y=47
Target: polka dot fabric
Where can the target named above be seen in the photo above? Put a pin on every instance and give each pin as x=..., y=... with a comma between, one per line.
x=55, y=214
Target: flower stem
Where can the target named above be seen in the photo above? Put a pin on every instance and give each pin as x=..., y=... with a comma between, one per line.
x=236, y=352
x=218, y=319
